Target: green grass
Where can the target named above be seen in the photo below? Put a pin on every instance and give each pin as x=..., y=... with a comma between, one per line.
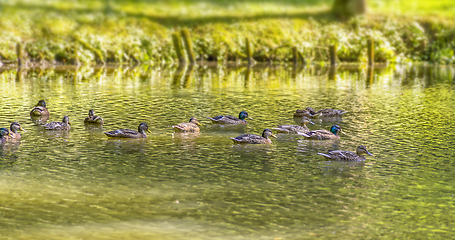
x=122, y=31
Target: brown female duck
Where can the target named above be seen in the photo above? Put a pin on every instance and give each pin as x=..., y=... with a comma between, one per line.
x=191, y=126
x=39, y=109
x=128, y=133
x=340, y=155
x=255, y=139
x=92, y=119
x=14, y=127
x=63, y=125
x=295, y=128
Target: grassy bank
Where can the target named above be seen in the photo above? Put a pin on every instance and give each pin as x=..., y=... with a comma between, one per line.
x=111, y=31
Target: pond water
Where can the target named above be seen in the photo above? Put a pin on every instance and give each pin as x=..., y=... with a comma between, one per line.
x=82, y=185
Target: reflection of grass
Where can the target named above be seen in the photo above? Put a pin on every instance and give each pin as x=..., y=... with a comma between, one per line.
x=124, y=31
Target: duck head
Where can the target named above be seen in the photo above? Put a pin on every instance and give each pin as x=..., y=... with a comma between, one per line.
x=41, y=103
x=362, y=150
x=195, y=121
x=267, y=133
x=143, y=128
x=243, y=115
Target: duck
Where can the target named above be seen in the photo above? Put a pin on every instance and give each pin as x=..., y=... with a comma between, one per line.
x=306, y=113
x=295, y=128
x=231, y=119
x=63, y=125
x=4, y=132
x=39, y=109
x=323, y=134
x=14, y=127
x=191, y=126
x=128, y=133
x=92, y=119
x=340, y=155
x=255, y=139
x=310, y=112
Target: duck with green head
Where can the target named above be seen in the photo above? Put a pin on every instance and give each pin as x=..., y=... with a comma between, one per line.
x=340, y=155
x=92, y=119
x=231, y=119
x=3, y=134
x=323, y=134
x=39, y=109
x=128, y=133
x=255, y=139
x=191, y=126
x=295, y=128
x=14, y=127
x=63, y=125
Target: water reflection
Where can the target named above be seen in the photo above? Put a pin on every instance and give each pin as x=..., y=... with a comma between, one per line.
x=52, y=180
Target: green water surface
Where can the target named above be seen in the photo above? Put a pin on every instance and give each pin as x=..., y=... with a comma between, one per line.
x=82, y=185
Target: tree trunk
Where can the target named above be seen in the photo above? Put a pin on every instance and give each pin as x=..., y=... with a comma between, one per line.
x=344, y=9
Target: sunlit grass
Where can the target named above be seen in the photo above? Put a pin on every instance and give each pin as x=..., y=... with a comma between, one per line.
x=141, y=29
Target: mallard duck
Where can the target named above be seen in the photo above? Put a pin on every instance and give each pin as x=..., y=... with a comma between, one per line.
x=321, y=113
x=295, y=128
x=191, y=126
x=255, y=139
x=323, y=134
x=231, y=119
x=306, y=113
x=340, y=155
x=3, y=133
x=14, y=127
x=92, y=119
x=63, y=125
x=39, y=109
x=128, y=133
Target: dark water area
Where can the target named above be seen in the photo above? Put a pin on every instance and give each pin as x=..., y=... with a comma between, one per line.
x=82, y=185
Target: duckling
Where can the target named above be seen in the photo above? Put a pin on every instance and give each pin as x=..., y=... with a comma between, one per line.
x=128, y=133
x=191, y=126
x=255, y=139
x=295, y=128
x=14, y=127
x=39, y=109
x=327, y=112
x=323, y=134
x=3, y=133
x=231, y=119
x=340, y=155
x=92, y=119
x=63, y=125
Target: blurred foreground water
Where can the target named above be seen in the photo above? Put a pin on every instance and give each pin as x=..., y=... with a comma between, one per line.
x=81, y=185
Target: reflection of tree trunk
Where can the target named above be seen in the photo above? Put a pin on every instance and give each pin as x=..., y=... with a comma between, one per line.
x=332, y=73
x=348, y=8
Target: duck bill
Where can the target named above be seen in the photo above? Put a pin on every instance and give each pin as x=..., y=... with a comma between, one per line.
x=250, y=118
x=309, y=121
x=11, y=135
x=341, y=131
x=199, y=124
x=149, y=131
x=274, y=136
x=69, y=123
x=369, y=153
x=22, y=129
